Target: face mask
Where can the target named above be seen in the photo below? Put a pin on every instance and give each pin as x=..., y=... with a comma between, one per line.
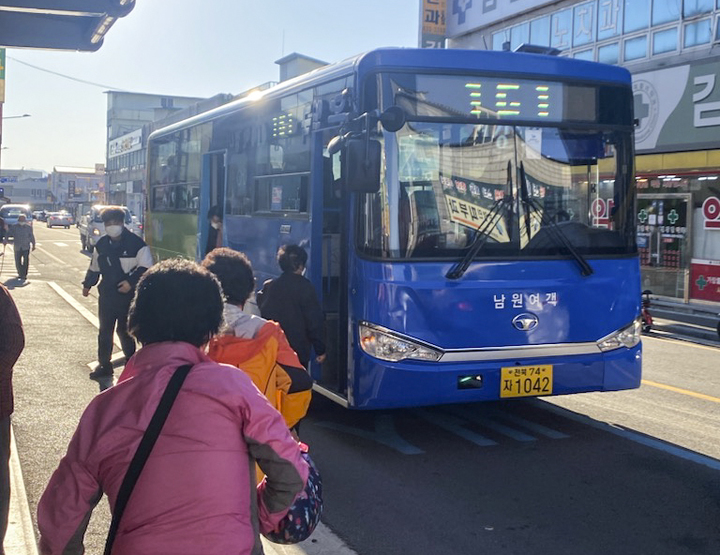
x=114, y=230
x=23, y=223
x=216, y=225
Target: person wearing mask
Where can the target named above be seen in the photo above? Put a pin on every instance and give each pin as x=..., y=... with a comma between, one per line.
x=255, y=345
x=23, y=239
x=12, y=342
x=120, y=258
x=197, y=491
x=214, y=239
x=291, y=301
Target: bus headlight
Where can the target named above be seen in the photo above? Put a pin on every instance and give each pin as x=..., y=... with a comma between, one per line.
x=382, y=343
x=626, y=337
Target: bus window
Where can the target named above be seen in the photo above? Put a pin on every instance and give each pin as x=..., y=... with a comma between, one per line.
x=281, y=193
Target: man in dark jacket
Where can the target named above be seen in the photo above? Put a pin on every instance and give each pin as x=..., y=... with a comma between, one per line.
x=23, y=240
x=120, y=257
x=291, y=301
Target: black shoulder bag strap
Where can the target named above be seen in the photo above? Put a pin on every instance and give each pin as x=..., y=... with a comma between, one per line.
x=144, y=449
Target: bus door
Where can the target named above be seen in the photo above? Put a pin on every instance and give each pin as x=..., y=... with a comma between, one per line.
x=333, y=373
x=212, y=193
x=663, y=236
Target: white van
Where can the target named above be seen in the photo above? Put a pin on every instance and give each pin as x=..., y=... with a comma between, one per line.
x=91, y=226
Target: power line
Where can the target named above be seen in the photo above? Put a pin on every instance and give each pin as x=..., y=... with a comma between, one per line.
x=65, y=76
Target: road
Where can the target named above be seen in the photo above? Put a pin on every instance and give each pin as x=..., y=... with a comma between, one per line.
x=634, y=472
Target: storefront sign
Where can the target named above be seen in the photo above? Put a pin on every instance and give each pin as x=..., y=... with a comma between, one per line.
x=432, y=23
x=127, y=143
x=705, y=280
x=2, y=75
x=467, y=15
x=711, y=213
x=678, y=108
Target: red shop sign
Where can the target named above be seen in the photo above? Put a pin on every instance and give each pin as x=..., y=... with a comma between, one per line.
x=705, y=280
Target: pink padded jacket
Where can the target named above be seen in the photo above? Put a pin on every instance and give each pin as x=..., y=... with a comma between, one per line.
x=197, y=492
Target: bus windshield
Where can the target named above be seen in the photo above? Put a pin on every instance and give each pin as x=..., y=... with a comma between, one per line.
x=446, y=185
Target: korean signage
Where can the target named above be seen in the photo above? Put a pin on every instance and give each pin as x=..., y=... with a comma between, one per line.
x=467, y=15
x=432, y=23
x=711, y=213
x=705, y=280
x=127, y=143
x=71, y=189
x=678, y=107
x=2, y=75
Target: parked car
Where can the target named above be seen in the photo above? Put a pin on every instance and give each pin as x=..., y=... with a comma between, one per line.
x=91, y=226
x=60, y=219
x=135, y=226
x=10, y=213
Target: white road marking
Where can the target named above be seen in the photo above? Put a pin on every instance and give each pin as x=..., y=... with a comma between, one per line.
x=84, y=312
x=61, y=244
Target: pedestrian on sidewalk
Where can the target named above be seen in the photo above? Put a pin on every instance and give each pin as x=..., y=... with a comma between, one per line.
x=12, y=342
x=120, y=257
x=196, y=492
x=291, y=301
x=255, y=345
x=23, y=239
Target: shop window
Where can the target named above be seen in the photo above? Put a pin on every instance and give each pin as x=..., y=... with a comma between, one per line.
x=609, y=54
x=498, y=39
x=540, y=31
x=520, y=34
x=665, y=41
x=636, y=48
x=561, y=29
x=584, y=24
x=585, y=55
x=696, y=7
x=665, y=12
x=637, y=15
x=610, y=18
x=697, y=33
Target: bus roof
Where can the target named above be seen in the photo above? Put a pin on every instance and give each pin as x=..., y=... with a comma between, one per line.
x=391, y=59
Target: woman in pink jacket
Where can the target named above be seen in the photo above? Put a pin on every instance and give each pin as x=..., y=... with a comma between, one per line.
x=197, y=492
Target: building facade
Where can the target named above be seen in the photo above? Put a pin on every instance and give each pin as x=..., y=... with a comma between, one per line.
x=26, y=187
x=74, y=189
x=672, y=49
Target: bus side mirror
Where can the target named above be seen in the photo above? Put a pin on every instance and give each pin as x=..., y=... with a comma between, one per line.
x=361, y=165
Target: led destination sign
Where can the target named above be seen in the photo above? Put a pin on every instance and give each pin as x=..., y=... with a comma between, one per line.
x=494, y=98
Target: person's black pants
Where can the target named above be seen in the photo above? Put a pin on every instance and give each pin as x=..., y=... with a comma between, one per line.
x=4, y=478
x=22, y=262
x=112, y=310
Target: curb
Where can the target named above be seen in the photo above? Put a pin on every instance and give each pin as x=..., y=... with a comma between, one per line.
x=20, y=536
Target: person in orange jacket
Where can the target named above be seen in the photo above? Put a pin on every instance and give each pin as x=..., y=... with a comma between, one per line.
x=255, y=345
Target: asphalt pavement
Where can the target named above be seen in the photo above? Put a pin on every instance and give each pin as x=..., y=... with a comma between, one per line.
x=37, y=297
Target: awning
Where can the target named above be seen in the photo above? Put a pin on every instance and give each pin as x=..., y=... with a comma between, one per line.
x=59, y=24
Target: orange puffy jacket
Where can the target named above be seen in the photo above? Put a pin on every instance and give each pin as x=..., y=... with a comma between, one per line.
x=261, y=358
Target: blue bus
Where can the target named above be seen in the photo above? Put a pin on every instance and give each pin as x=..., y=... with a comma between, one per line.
x=469, y=218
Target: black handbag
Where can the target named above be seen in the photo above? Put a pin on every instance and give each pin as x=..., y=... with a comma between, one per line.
x=144, y=449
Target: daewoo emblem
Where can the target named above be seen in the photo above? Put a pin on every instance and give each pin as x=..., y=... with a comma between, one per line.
x=525, y=322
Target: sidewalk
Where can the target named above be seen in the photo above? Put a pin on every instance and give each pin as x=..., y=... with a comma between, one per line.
x=20, y=536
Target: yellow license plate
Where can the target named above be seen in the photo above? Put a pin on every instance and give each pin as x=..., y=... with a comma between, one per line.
x=526, y=381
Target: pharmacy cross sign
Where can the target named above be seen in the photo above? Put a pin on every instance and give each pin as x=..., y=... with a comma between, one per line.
x=701, y=282
x=673, y=216
x=460, y=7
x=643, y=216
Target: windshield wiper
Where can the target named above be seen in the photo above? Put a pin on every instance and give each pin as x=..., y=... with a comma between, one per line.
x=553, y=229
x=482, y=233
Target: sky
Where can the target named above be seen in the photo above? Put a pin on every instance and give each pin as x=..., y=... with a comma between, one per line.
x=181, y=48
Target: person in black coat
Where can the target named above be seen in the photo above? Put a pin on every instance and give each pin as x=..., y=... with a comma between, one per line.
x=291, y=301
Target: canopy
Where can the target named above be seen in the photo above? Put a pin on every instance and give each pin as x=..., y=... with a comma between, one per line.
x=59, y=24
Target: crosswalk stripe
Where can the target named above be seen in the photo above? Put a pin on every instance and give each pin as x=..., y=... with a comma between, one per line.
x=512, y=433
